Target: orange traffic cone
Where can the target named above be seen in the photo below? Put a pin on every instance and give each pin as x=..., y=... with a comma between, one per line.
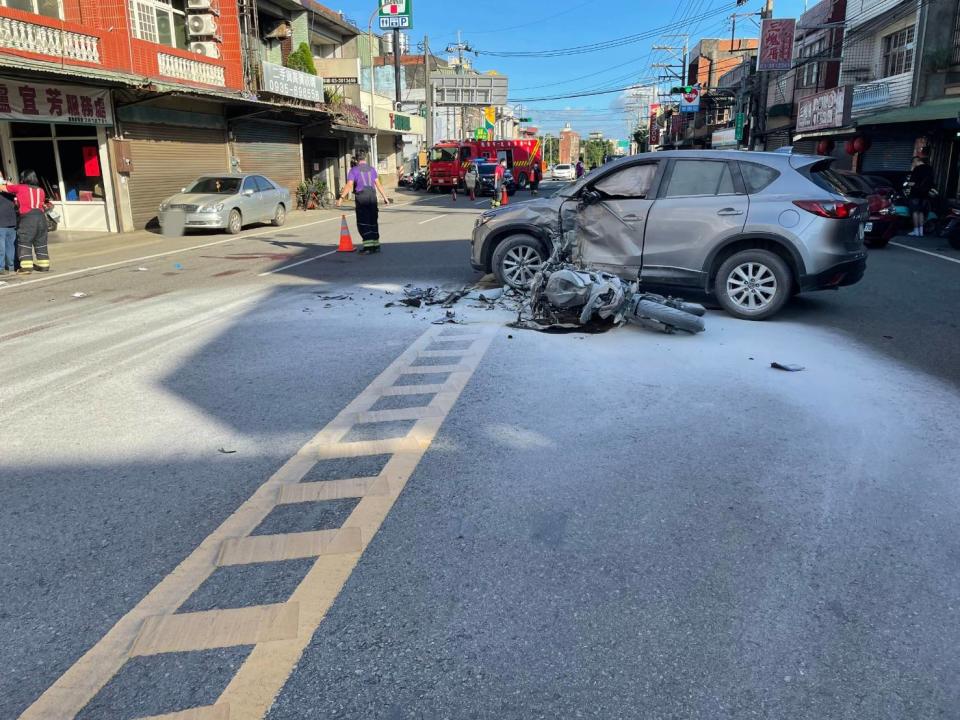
x=505, y=198
x=346, y=242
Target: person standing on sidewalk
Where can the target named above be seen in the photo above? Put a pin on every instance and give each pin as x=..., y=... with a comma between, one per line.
x=498, y=177
x=8, y=229
x=363, y=181
x=32, y=232
x=921, y=183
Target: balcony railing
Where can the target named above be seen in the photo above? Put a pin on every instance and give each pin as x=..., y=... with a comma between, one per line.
x=43, y=40
x=192, y=70
x=870, y=95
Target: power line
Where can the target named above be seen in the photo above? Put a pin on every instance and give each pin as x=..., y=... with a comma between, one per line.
x=608, y=44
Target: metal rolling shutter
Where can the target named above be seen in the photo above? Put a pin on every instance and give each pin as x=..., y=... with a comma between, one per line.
x=165, y=158
x=777, y=139
x=894, y=154
x=269, y=149
x=805, y=147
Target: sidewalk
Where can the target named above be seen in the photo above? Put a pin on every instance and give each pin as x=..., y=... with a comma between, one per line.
x=72, y=253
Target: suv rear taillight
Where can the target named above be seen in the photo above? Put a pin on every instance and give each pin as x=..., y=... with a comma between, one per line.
x=829, y=208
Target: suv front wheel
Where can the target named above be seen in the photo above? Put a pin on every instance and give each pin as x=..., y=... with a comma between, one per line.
x=753, y=284
x=516, y=260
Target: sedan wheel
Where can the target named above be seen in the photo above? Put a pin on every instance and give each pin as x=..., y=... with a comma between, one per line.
x=753, y=284
x=279, y=216
x=234, y=222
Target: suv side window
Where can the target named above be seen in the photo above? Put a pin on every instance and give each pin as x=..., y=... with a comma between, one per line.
x=757, y=177
x=631, y=182
x=692, y=178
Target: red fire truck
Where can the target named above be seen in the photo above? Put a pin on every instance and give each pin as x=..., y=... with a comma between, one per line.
x=449, y=159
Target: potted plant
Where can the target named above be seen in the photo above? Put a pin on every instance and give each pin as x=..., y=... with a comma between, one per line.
x=937, y=63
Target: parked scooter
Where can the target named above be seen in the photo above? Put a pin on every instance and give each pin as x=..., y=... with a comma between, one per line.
x=565, y=296
x=421, y=179
x=950, y=226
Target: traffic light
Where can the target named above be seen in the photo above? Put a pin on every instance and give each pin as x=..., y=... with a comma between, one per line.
x=685, y=90
x=523, y=120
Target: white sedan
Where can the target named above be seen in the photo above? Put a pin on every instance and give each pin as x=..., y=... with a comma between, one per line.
x=564, y=172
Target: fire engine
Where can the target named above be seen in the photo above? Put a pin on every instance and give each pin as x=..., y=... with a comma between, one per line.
x=449, y=159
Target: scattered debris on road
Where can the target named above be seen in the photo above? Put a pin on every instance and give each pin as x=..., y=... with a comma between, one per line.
x=329, y=298
x=143, y=269
x=79, y=295
x=226, y=452
x=449, y=318
x=787, y=368
x=419, y=297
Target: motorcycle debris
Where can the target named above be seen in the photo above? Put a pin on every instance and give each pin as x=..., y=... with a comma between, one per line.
x=79, y=295
x=143, y=269
x=787, y=368
x=333, y=297
x=226, y=452
x=449, y=318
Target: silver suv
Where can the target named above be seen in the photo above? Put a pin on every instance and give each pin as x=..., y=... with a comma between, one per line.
x=750, y=228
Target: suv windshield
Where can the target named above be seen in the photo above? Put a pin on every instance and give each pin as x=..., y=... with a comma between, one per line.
x=216, y=186
x=443, y=155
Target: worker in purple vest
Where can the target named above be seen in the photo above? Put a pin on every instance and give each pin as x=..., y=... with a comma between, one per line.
x=363, y=181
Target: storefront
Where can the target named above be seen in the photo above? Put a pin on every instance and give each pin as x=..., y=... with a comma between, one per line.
x=823, y=125
x=169, y=148
x=272, y=149
x=60, y=132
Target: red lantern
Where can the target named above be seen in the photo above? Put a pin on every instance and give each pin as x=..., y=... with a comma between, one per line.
x=825, y=147
x=861, y=143
x=850, y=148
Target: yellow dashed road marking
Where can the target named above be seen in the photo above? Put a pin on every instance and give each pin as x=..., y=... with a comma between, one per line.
x=279, y=633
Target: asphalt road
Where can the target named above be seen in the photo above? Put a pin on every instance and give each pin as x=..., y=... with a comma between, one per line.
x=623, y=525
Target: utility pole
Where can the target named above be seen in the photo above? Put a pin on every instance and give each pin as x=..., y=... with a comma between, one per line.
x=396, y=66
x=460, y=48
x=429, y=91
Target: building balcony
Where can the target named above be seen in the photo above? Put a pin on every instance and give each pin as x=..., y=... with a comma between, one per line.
x=193, y=70
x=42, y=36
x=890, y=92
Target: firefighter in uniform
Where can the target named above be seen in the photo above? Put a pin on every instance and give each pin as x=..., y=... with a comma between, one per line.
x=363, y=181
x=32, y=230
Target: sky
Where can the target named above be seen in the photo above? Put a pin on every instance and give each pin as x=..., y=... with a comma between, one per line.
x=548, y=25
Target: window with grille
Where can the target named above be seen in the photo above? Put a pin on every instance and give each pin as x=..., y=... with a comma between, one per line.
x=47, y=8
x=160, y=21
x=956, y=38
x=810, y=69
x=898, y=52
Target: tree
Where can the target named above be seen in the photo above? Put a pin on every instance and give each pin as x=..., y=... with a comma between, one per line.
x=594, y=152
x=641, y=136
x=551, y=149
x=302, y=59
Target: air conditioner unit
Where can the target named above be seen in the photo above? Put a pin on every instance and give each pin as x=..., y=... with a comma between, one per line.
x=207, y=49
x=202, y=25
x=198, y=4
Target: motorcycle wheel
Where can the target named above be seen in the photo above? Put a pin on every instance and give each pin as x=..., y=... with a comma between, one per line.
x=671, y=317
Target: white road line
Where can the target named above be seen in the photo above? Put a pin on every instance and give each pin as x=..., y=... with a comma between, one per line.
x=479, y=202
x=152, y=257
x=926, y=252
x=302, y=262
x=438, y=217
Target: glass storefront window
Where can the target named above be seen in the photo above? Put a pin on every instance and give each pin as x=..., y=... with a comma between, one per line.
x=29, y=130
x=80, y=165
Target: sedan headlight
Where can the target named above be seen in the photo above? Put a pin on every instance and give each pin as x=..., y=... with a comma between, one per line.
x=211, y=208
x=164, y=205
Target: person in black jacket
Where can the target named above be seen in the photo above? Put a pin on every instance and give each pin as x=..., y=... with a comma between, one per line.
x=8, y=229
x=920, y=184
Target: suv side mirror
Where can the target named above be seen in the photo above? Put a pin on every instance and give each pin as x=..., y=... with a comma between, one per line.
x=590, y=197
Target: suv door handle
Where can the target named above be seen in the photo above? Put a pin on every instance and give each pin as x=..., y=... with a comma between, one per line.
x=726, y=212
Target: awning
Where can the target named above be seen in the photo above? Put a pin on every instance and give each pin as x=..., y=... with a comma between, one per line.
x=829, y=132
x=943, y=109
x=350, y=129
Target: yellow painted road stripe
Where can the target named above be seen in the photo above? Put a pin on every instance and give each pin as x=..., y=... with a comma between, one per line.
x=280, y=633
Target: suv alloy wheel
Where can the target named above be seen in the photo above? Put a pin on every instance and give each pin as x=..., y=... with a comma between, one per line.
x=753, y=284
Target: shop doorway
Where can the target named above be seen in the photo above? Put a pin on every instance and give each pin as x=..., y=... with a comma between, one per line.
x=70, y=162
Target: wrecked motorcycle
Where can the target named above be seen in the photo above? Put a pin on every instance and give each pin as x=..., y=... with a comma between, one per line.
x=563, y=295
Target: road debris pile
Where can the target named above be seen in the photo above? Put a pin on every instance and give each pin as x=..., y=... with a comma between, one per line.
x=565, y=297
x=421, y=297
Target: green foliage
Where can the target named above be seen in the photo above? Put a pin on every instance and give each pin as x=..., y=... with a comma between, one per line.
x=594, y=151
x=332, y=97
x=302, y=59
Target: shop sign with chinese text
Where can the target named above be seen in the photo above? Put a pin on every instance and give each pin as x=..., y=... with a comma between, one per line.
x=28, y=101
x=829, y=109
x=281, y=80
x=776, y=44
